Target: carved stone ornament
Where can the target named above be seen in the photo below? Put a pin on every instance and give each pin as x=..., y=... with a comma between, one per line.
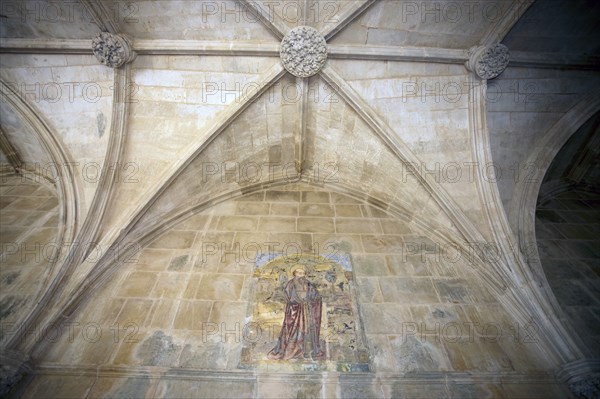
x=488, y=62
x=112, y=50
x=303, y=51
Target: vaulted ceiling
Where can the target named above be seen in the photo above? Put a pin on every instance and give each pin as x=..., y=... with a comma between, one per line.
x=208, y=90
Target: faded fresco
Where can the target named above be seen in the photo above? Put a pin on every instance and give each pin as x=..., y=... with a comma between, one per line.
x=304, y=317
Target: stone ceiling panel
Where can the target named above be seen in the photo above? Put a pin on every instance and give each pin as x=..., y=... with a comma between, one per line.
x=523, y=104
x=343, y=151
x=74, y=94
x=32, y=19
x=290, y=13
x=426, y=105
x=22, y=138
x=29, y=218
x=348, y=152
x=326, y=14
x=176, y=100
x=568, y=27
x=456, y=25
x=193, y=20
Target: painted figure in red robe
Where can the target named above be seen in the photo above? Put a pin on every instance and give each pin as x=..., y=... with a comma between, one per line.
x=301, y=328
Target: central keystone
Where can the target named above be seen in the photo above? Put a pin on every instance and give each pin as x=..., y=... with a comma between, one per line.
x=303, y=51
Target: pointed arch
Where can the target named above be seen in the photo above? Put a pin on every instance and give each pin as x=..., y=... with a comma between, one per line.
x=523, y=214
x=66, y=188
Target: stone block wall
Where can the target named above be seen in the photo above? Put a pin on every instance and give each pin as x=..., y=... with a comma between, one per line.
x=29, y=221
x=171, y=322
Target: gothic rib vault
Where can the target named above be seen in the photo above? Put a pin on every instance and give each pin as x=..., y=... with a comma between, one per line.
x=174, y=104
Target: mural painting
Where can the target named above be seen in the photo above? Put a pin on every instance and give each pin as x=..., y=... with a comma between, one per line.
x=304, y=317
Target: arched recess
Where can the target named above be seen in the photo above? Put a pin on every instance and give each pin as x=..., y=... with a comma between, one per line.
x=566, y=223
x=377, y=256
x=134, y=239
x=572, y=168
x=523, y=215
x=64, y=182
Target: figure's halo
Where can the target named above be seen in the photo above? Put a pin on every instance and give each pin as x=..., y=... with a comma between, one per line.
x=296, y=267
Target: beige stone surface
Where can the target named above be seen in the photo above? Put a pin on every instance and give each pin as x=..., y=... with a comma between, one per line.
x=29, y=229
x=75, y=97
x=203, y=158
x=180, y=284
